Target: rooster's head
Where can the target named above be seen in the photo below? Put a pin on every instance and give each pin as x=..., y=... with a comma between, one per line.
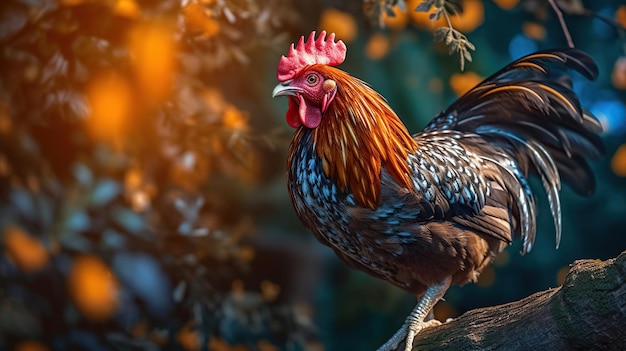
x=302, y=78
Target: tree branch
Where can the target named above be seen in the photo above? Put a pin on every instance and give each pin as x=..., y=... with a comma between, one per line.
x=588, y=312
x=557, y=10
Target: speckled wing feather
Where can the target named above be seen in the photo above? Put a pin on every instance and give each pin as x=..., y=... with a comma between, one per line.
x=451, y=171
x=533, y=123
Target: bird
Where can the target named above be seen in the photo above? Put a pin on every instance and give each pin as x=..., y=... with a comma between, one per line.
x=429, y=210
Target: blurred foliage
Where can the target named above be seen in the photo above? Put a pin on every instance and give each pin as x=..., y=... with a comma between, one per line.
x=143, y=203
x=125, y=171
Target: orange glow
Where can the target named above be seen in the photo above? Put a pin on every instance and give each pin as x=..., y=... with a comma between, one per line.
x=444, y=310
x=398, y=21
x=461, y=83
x=139, y=192
x=377, y=46
x=618, y=162
x=27, y=252
x=506, y=4
x=265, y=345
x=72, y=2
x=618, y=75
x=233, y=118
x=246, y=253
x=188, y=337
x=339, y=22
x=199, y=20
x=473, y=16
x=269, y=290
x=214, y=100
x=620, y=15
x=487, y=277
x=561, y=275
x=219, y=344
x=133, y=178
x=30, y=346
x=93, y=288
x=6, y=122
x=126, y=8
x=5, y=167
x=422, y=19
x=534, y=30
x=153, y=50
x=110, y=98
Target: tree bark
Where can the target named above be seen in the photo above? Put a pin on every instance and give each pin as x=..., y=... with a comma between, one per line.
x=588, y=312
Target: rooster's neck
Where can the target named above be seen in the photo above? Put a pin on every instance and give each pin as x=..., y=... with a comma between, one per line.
x=359, y=135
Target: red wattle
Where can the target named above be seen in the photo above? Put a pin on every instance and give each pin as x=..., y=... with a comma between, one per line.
x=293, y=118
x=311, y=116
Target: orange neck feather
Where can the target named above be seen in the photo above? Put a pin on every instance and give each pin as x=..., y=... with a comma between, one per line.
x=359, y=135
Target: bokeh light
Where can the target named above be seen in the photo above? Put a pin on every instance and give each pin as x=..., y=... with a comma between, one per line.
x=534, y=30
x=110, y=97
x=93, y=288
x=27, y=252
x=472, y=17
x=612, y=113
x=269, y=290
x=153, y=48
x=341, y=23
x=461, y=83
x=620, y=15
x=600, y=28
x=188, y=337
x=506, y=4
x=618, y=75
x=618, y=161
x=422, y=19
x=198, y=19
x=126, y=8
x=399, y=19
x=30, y=346
x=444, y=310
x=561, y=275
x=521, y=45
x=377, y=46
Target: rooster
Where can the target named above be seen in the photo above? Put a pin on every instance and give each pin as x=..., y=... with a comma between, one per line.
x=432, y=209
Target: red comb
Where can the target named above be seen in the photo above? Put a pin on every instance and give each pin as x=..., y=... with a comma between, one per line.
x=313, y=51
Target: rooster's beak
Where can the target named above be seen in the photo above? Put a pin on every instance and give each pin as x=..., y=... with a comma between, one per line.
x=284, y=89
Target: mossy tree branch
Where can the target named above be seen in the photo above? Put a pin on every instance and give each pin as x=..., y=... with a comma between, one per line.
x=587, y=313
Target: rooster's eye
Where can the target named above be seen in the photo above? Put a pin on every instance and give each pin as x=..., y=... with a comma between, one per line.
x=312, y=79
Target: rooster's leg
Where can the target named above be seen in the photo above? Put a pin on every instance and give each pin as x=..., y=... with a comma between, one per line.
x=415, y=321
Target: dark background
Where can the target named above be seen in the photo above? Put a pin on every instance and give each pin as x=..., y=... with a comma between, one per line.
x=143, y=197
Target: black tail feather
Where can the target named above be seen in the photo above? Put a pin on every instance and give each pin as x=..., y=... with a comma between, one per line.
x=529, y=111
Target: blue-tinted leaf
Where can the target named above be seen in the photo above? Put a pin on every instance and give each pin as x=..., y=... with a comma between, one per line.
x=23, y=202
x=142, y=274
x=113, y=239
x=105, y=191
x=78, y=221
x=128, y=219
x=83, y=174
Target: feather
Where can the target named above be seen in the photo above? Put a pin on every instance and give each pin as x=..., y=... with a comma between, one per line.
x=530, y=111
